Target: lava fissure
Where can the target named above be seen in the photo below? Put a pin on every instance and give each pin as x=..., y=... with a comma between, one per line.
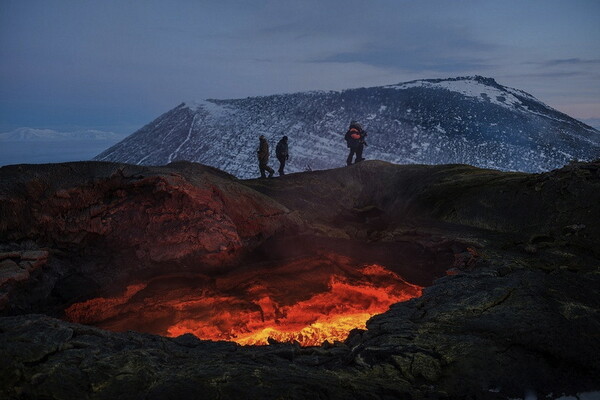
x=308, y=301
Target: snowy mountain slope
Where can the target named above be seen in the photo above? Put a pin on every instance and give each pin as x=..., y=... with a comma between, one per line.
x=470, y=120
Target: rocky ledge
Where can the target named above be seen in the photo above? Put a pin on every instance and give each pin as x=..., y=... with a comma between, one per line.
x=516, y=314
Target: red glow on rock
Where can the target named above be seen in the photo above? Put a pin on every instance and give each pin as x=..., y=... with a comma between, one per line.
x=251, y=307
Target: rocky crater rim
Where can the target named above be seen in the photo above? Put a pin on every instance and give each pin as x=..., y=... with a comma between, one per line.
x=513, y=308
x=190, y=240
x=343, y=283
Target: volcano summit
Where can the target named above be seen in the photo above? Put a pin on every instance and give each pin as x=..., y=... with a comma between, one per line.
x=468, y=120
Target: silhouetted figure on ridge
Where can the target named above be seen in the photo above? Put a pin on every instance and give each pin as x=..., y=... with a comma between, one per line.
x=263, y=157
x=282, y=154
x=355, y=139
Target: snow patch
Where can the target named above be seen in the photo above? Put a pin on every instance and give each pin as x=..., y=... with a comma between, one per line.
x=213, y=109
x=472, y=87
x=189, y=135
x=482, y=92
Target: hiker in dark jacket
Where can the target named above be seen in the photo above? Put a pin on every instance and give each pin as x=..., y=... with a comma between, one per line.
x=263, y=157
x=282, y=153
x=355, y=139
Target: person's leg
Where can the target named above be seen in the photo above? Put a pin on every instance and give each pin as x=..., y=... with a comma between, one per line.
x=281, y=165
x=271, y=172
x=261, y=166
x=359, y=152
x=349, y=159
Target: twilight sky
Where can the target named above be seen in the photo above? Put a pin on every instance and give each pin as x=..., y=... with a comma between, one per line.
x=116, y=65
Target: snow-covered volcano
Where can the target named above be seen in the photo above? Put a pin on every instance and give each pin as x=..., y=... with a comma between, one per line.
x=469, y=120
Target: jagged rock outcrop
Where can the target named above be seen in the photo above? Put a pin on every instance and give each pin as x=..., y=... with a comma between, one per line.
x=104, y=223
x=516, y=314
x=136, y=207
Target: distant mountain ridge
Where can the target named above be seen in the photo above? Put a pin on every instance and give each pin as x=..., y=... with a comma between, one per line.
x=34, y=146
x=593, y=122
x=468, y=120
x=33, y=134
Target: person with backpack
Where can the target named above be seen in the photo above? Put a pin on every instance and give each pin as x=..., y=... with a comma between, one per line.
x=263, y=157
x=355, y=139
x=282, y=153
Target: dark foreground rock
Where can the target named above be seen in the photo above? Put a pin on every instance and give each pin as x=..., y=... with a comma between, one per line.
x=517, y=315
x=477, y=334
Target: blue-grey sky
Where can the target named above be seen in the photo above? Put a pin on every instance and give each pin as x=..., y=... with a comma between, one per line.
x=116, y=65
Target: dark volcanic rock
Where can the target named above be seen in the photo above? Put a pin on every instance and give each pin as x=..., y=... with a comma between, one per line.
x=480, y=331
x=517, y=314
x=136, y=207
x=548, y=205
x=475, y=335
x=106, y=223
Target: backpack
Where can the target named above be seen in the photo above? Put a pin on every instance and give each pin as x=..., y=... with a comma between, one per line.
x=281, y=150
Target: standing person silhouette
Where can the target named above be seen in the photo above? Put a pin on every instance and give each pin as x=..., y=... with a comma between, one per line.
x=355, y=139
x=263, y=157
x=281, y=151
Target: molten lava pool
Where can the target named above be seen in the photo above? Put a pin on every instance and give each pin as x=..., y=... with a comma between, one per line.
x=309, y=301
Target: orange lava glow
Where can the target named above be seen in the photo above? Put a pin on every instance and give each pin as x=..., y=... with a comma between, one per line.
x=294, y=310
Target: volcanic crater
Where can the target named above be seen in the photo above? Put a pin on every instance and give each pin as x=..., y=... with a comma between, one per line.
x=303, y=289
x=371, y=281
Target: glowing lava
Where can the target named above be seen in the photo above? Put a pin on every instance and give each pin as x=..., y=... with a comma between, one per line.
x=250, y=309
